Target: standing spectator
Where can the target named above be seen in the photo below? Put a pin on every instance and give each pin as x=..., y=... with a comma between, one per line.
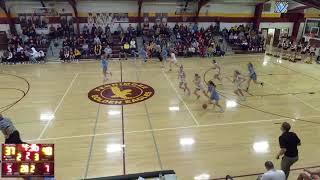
x=272, y=173
x=309, y=175
x=108, y=50
x=288, y=142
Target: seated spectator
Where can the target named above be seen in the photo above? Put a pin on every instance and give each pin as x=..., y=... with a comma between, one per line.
x=97, y=50
x=309, y=175
x=77, y=54
x=122, y=53
x=93, y=29
x=272, y=173
x=85, y=49
x=133, y=47
x=126, y=48
x=66, y=53
x=96, y=40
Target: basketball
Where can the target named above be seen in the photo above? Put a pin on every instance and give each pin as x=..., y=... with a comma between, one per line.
x=204, y=106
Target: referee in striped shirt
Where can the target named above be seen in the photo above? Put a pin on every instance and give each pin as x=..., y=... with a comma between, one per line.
x=9, y=131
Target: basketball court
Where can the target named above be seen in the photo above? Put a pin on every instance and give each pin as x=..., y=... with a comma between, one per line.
x=170, y=130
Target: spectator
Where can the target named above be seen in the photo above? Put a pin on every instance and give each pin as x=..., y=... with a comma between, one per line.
x=97, y=50
x=272, y=173
x=309, y=175
x=119, y=29
x=108, y=50
x=126, y=48
x=77, y=54
x=66, y=57
x=85, y=49
x=122, y=53
x=288, y=142
x=96, y=40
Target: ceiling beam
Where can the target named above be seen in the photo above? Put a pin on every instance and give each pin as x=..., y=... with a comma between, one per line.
x=310, y=3
x=42, y=3
x=73, y=4
x=299, y=9
x=12, y=26
x=139, y=12
x=201, y=3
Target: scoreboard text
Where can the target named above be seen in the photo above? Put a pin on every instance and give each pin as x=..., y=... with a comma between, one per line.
x=27, y=160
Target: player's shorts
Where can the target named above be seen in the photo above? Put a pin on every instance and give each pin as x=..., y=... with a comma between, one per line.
x=214, y=98
x=236, y=86
x=200, y=88
x=104, y=68
x=182, y=80
x=175, y=61
x=253, y=76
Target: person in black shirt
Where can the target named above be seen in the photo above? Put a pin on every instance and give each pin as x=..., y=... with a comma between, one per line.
x=288, y=142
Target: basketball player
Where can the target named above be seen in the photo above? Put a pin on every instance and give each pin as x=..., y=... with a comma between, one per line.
x=104, y=65
x=182, y=80
x=10, y=133
x=217, y=75
x=199, y=86
x=173, y=60
x=164, y=55
x=214, y=96
x=252, y=76
x=237, y=81
x=143, y=53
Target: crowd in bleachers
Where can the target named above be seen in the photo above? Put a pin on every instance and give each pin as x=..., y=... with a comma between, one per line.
x=92, y=41
x=295, y=51
x=187, y=40
x=245, y=37
x=29, y=47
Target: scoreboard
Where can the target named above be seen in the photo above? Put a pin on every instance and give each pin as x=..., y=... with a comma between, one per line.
x=27, y=160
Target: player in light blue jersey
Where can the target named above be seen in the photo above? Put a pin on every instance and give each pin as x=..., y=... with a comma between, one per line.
x=252, y=76
x=104, y=65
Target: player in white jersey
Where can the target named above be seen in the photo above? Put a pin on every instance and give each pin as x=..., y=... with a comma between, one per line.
x=182, y=80
x=217, y=75
x=199, y=86
x=237, y=81
x=173, y=60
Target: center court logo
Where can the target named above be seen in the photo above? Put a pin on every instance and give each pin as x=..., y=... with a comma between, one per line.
x=121, y=93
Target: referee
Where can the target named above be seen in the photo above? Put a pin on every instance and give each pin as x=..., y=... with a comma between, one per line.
x=9, y=131
x=289, y=142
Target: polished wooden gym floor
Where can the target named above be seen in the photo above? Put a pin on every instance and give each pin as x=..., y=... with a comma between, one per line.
x=169, y=130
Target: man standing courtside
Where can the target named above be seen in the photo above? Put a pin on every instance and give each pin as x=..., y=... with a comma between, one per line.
x=289, y=143
x=9, y=131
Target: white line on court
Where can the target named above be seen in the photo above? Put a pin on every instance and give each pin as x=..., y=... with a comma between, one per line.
x=174, y=128
x=184, y=103
x=59, y=104
x=294, y=96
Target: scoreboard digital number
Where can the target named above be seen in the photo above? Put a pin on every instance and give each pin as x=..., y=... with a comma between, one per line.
x=27, y=160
